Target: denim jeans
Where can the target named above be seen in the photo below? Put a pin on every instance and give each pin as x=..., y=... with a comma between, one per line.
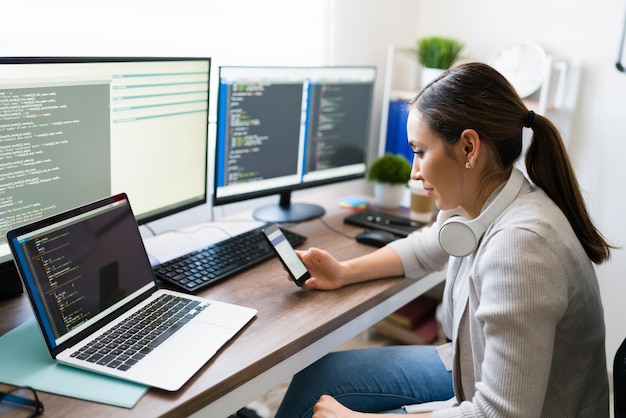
x=370, y=380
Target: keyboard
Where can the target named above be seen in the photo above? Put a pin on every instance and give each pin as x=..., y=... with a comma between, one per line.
x=373, y=219
x=127, y=343
x=196, y=270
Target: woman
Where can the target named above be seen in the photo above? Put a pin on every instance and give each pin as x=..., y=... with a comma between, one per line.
x=522, y=307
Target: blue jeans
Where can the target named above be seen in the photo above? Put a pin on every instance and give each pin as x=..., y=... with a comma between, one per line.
x=370, y=380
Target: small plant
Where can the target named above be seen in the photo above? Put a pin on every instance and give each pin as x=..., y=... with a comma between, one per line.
x=437, y=51
x=390, y=168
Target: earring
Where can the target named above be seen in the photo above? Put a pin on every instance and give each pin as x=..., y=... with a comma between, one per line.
x=468, y=165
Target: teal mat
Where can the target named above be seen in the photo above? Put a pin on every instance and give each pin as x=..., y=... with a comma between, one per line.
x=24, y=361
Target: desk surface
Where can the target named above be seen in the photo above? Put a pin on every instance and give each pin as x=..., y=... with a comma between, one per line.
x=292, y=329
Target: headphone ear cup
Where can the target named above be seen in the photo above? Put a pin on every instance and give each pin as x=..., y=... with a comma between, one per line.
x=459, y=236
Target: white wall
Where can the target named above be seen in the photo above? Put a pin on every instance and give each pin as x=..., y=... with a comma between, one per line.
x=233, y=31
x=282, y=32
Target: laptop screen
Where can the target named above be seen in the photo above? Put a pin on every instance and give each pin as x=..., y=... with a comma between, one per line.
x=81, y=265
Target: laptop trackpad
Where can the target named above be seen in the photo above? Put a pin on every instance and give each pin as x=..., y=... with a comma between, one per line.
x=225, y=315
x=192, y=346
x=202, y=335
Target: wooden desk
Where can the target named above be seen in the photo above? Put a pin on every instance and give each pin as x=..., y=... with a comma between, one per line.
x=292, y=329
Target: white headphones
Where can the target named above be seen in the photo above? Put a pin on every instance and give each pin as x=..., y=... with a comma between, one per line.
x=459, y=236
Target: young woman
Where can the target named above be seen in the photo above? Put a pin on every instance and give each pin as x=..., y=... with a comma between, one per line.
x=521, y=302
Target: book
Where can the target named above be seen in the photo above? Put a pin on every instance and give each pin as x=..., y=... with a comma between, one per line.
x=424, y=333
x=414, y=312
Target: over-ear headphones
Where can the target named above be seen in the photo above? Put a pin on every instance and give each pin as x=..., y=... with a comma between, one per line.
x=459, y=236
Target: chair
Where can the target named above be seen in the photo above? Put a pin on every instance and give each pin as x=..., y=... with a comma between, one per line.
x=619, y=382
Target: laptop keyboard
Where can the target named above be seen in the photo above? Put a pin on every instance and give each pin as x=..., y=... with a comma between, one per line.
x=127, y=343
x=194, y=271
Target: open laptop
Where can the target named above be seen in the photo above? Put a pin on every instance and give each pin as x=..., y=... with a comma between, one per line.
x=86, y=271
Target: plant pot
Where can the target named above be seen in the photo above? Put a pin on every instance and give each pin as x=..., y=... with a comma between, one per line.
x=429, y=74
x=388, y=195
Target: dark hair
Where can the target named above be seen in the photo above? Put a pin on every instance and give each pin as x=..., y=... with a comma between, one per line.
x=476, y=96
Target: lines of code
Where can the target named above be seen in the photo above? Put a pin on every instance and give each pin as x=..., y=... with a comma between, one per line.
x=42, y=131
x=338, y=125
x=263, y=128
x=61, y=273
x=22, y=157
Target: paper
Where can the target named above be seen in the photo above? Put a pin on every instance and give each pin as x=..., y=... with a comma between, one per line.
x=24, y=361
x=172, y=244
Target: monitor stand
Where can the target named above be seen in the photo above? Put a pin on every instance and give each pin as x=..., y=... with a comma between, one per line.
x=286, y=212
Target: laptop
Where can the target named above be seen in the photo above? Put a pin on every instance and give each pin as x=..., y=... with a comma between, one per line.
x=88, y=278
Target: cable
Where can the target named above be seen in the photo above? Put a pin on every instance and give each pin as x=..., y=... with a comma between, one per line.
x=150, y=229
x=335, y=230
x=619, y=64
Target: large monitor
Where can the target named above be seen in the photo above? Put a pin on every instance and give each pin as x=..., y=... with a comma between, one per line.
x=74, y=130
x=281, y=129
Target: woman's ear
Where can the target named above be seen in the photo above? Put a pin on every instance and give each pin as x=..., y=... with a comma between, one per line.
x=471, y=146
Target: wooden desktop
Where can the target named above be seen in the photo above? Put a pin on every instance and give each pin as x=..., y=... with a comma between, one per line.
x=292, y=329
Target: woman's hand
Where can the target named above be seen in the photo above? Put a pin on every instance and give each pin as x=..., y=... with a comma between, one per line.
x=326, y=271
x=328, y=407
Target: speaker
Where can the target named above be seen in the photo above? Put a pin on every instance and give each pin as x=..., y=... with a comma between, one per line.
x=459, y=236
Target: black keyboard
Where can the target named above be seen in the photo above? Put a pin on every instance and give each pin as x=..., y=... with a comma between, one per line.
x=373, y=219
x=194, y=271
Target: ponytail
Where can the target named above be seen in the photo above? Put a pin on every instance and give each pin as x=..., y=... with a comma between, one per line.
x=549, y=167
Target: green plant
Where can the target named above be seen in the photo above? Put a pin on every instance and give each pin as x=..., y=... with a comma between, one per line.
x=390, y=168
x=437, y=51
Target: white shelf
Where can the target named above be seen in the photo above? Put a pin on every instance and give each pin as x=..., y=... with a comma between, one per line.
x=549, y=100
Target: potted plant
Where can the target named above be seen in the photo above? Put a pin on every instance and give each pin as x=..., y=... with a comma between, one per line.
x=436, y=54
x=390, y=174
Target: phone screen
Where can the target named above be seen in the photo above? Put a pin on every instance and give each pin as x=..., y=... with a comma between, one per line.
x=286, y=254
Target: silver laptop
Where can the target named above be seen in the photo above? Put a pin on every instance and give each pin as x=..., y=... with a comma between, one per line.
x=88, y=278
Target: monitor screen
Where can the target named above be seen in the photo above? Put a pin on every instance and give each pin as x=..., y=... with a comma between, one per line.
x=281, y=129
x=75, y=130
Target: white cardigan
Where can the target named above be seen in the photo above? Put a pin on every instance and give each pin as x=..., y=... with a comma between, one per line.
x=524, y=314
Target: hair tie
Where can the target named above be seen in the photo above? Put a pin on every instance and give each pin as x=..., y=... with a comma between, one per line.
x=529, y=119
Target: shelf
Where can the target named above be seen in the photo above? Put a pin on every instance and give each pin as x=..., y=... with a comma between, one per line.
x=549, y=100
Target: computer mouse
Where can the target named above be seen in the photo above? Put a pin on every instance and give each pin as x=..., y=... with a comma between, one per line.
x=375, y=238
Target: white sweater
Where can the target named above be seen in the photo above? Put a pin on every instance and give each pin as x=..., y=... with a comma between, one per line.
x=524, y=313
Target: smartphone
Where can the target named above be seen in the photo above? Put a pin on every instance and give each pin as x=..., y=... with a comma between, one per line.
x=286, y=254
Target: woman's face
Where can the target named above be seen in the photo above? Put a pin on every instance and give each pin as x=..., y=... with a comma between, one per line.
x=434, y=164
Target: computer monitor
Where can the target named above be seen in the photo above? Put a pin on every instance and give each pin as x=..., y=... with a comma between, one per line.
x=281, y=129
x=74, y=130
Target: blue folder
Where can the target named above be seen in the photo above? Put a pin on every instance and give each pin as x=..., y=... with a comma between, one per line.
x=24, y=361
x=396, y=141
